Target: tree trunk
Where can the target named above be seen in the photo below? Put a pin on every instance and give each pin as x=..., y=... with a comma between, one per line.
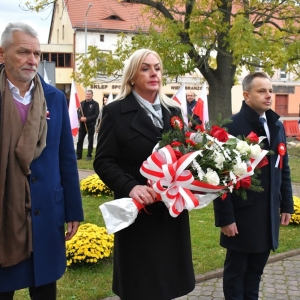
x=219, y=99
x=220, y=82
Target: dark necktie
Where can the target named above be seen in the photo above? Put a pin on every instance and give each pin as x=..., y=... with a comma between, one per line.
x=262, y=122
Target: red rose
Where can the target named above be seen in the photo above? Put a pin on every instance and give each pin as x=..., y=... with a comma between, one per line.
x=178, y=154
x=200, y=128
x=188, y=133
x=244, y=183
x=190, y=142
x=219, y=133
x=253, y=138
x=176, y=144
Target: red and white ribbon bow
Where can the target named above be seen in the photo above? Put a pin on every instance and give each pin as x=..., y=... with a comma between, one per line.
x=171, y=179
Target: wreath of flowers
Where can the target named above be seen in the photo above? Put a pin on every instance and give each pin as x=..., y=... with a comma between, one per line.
x=223, y=160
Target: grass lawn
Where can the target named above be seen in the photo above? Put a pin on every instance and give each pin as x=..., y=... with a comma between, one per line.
x=94, y=282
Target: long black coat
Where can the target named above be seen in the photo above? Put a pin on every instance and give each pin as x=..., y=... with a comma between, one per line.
x=152, y=257
x=258, y=217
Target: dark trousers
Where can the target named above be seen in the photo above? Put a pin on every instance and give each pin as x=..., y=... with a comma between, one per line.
x=81, y=135
x=43, y=292
x=242, y=274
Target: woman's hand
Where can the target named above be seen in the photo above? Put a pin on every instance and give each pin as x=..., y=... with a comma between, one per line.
x=143, y=194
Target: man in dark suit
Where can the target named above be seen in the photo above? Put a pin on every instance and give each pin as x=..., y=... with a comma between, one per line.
x=87, y=116
x=250, y=228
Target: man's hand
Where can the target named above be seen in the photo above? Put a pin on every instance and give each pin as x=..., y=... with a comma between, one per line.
x=230, y=230
x=71, y=229
x=83, y=119
x=285, y=219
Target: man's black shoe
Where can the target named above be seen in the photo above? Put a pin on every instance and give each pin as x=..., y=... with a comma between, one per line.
x=78, y=157
x=88, y=158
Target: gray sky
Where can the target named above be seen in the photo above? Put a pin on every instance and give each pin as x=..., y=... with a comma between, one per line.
x=11, y=12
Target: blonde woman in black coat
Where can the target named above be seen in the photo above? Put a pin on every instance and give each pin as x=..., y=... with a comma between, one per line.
x=152, y=257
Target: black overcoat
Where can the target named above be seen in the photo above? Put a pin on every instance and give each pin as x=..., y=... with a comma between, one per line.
x=258, y=217
x=152, y=257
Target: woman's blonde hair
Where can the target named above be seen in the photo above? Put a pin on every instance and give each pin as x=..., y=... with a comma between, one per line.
x=132, y=67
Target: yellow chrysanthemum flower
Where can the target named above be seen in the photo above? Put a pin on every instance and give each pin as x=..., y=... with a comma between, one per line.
x=296, y=215
x=95, y=186
x=89, y=244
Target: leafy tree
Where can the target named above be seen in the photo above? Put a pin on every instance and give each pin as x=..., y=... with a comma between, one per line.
x=214, y=37
x=37, y=5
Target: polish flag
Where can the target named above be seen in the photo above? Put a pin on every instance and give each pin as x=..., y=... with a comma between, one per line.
x=203, y=97
x=180, y=98
x=198, y=109
x=73, y=107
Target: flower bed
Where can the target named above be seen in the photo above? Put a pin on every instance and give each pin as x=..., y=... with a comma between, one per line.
x=95, y=186
x=90, y=244
x=296, y=216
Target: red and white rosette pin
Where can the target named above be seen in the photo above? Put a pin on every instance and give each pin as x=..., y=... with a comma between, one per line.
x=281, y=152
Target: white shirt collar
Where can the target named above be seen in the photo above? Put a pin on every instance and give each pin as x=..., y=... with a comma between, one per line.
x=264, y=116
x=16, y=93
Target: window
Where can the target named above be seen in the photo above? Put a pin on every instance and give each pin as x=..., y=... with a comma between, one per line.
x=114, y=17
x=63, y=32
x=45, y=56
x=101, y=37
x=62, y=60
x=283, y=73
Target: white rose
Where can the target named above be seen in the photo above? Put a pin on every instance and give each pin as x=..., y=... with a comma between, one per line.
x=243, y=147
x=240, y=168
x=219, y=159
x=255, y=151
x=196, y=137
x=212, y=177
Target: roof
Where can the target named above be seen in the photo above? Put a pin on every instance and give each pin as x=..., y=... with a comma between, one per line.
x=107, y=15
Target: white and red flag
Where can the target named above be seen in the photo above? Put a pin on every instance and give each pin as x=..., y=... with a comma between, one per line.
x=180, y=97
x=203, y=97
x=198, y=109
x=73, y=107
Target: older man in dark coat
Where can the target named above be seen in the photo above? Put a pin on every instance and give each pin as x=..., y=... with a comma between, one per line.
x=250, y=228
